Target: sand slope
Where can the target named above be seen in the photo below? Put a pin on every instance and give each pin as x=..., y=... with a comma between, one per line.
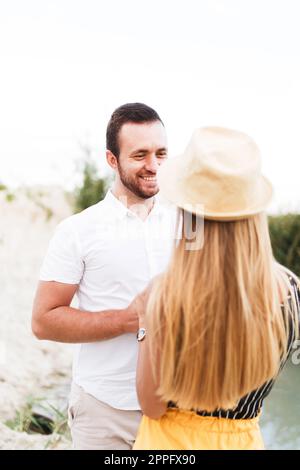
x=27, y=366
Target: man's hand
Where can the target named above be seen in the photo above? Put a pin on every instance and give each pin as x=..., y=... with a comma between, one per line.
x=130, y=319
x=137, y=308
x=135, y=311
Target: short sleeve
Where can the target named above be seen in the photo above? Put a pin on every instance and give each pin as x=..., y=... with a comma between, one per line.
x=63, y=261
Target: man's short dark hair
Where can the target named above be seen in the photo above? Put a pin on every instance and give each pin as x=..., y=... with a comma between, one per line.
x=131, y=112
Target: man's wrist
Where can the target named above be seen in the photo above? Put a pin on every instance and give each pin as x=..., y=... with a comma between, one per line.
x=122, y=323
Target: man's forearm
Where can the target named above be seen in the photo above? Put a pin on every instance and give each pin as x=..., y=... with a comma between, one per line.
x=70, y=325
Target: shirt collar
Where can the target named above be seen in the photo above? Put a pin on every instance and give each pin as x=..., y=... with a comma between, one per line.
x=121, y=211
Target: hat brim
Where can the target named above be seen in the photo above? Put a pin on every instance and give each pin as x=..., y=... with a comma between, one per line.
x=171, y=187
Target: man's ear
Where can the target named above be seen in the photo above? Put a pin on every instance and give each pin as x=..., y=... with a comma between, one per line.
x=111, y=160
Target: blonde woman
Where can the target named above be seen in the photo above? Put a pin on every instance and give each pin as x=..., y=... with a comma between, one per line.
x=221, y=321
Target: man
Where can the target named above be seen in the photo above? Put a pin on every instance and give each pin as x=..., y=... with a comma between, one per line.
x=107, y=255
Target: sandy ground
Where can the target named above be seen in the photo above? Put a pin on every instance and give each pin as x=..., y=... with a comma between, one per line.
x=28, y=367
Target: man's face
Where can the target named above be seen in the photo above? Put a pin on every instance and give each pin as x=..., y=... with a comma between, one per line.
x=143, y=147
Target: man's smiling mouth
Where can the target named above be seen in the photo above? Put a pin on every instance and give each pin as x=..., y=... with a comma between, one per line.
x=148, y=178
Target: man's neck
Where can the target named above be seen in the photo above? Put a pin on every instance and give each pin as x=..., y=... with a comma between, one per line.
x=139, y=206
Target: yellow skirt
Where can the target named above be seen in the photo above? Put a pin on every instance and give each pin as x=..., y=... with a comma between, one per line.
x=185, y=430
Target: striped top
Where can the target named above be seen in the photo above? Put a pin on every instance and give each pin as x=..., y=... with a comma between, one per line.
x=250, y=405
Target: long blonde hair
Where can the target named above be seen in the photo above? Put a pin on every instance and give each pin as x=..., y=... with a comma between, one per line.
x=215, y=317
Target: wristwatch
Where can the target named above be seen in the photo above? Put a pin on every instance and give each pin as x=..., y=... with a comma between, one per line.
x=141, y=334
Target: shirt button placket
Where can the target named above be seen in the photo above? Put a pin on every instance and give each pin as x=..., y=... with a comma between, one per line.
x=149, y=249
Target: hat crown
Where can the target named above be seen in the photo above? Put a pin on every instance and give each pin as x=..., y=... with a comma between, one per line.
x=220, y=169
x=223, y=153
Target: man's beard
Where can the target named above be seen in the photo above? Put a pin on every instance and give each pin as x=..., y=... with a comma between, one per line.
x=131, y=183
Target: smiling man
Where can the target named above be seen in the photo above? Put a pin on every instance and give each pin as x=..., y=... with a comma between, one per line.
x=135, y=149
x=107, y=255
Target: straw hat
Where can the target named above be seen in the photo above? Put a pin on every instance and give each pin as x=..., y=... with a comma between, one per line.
x=218, y=176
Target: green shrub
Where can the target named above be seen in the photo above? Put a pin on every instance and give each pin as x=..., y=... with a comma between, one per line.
x=285, y=238
x=39, y=416
x=93, y=188
x=10, y=197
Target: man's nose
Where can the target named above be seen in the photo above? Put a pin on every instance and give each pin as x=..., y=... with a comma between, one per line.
x=151, y=164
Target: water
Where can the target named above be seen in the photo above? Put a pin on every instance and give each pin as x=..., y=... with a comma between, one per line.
x=280, y=421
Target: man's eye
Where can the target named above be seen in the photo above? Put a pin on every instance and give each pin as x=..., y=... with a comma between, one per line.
x=161, y=155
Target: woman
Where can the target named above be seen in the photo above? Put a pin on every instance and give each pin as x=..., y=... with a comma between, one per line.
x=221, y=321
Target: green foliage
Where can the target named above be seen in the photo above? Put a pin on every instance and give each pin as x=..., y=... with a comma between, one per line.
x=10, y=197
x=47, y=210
x=285, y=238
x=31, y=421
x=26, y=421
x=36, y=197
x=93, y=188
x=2, y=187
x=22, y=419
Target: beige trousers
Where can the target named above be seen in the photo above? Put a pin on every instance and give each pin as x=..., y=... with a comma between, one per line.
x=96, y=425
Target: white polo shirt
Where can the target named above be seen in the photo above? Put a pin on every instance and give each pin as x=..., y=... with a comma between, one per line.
x=112, y=254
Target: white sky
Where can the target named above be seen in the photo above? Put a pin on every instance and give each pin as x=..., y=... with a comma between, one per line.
x=67, y=64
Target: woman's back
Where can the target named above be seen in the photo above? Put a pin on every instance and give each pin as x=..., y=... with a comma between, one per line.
x=217, y=328
x=226, y=333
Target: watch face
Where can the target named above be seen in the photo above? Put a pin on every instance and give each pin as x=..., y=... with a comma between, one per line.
x=141, y=334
